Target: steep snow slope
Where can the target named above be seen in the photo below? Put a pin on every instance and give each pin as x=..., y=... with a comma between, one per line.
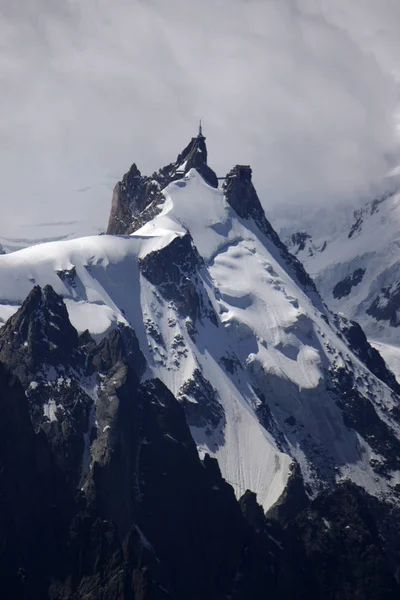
x=356, y=267
x=263, y=370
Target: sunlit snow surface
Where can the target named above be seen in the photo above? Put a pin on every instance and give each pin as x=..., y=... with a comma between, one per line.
x=372, y=245
x=283, y=344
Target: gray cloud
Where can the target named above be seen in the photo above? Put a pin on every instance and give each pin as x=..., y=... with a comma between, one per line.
x=306, y=91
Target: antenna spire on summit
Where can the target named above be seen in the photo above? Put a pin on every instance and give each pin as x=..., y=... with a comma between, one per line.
x=200, y=129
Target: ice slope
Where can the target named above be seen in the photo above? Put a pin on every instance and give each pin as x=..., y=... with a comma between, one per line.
x=267, y=354
x=356, y=266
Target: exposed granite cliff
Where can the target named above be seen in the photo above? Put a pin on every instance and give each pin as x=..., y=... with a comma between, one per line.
x=137, y=197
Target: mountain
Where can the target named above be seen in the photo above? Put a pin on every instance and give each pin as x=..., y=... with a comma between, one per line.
x=356, y=267
x=137, y=197
x=197, y=422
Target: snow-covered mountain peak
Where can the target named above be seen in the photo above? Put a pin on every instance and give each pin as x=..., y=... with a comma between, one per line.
x=233, y=326
x=195, y=335
x=136, y=198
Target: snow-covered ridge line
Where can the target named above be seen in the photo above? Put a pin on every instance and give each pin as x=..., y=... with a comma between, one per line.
x=221, y=321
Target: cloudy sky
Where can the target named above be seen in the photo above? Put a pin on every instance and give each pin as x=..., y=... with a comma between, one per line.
x=306, y=91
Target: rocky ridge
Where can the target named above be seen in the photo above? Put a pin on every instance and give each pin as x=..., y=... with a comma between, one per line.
x=137, y=198
x=149, y=379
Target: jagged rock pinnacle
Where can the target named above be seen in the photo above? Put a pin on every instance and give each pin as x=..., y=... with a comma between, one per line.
x=194, y=156
x=136, y=192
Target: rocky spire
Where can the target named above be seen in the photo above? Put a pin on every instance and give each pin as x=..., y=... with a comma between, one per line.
x=242, y=197
x=194, y=156
x=136, y=192
x=39, y=333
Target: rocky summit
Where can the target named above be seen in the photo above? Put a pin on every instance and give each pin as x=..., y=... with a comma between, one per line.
x=182, y=417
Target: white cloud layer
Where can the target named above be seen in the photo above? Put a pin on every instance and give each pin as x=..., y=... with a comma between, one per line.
x=306, y=91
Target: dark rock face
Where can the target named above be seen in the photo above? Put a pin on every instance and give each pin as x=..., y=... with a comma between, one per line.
x=331, y=549
x=359, y=414
x=359, y=344
x=357, y=225
x=370, y=209
x=25, y=462
x=120, y=345
x=293, y=500
x=298, y=240
x=386, y=305
x=231, y=363
x=147, y=519
x=39, y=335
x=200, y=549
x=174, y=270
x=147, y=475
x=344, y=287
x=242, y=197
x=194, y=156
x=145, y=499
x=54, y=544
x=200, y=401
x=342, y=542
x=131, y=195
x=138, y=198
x=41, y=348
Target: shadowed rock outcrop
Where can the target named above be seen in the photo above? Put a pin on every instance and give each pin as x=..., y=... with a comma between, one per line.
x=359, y=344
x=128, y=529
x=175, y=271
x=344, y=287
x=386, y=305
x=147, y=519
x=137, y=198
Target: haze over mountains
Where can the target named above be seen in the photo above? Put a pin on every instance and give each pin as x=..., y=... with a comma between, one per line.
x=354, y=261
x=305, y=91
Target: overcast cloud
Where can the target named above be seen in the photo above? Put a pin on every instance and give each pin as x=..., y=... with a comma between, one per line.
x=306, y=91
